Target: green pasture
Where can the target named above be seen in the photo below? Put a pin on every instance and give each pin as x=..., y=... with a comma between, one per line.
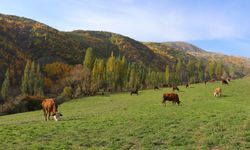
x=121, y=121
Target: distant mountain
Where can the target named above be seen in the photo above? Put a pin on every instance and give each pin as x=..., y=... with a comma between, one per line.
x=186, y=50
x=22, y=39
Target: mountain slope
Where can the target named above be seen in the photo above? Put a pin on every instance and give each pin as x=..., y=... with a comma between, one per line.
x=22, y=39
x=104, y=43
x=28, y=39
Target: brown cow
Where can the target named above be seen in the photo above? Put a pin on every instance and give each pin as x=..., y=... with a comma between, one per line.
x=50, y=108
x=170, y=97
x=187, y=85
x=217, y=92
x=223, y=81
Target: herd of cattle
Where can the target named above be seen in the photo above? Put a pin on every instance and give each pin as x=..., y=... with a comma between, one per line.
x=175, y=98
x=50, y=108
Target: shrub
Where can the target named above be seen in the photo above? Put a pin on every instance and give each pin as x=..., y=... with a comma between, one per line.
x=67, y=92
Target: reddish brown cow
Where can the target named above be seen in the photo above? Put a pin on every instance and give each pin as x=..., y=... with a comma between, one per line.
x=171, y=97
x=50, y=108
x=224, y=82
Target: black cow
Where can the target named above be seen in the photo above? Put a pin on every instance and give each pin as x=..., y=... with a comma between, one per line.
x=156, y=88
x=134, y=92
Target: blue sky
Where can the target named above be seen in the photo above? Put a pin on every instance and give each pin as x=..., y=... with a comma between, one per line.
x=215, y=25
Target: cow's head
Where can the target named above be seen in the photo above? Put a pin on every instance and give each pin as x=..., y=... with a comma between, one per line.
x=57, y=116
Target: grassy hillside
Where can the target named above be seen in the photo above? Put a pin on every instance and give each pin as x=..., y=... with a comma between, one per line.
x=121, y=121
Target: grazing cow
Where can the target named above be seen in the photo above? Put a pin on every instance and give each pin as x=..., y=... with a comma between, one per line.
x=175, y=88
x=170, y=97
x=134, y=92
x=224, y=82
x=187, y=85
x=109, y=89
x=165, y=85
x=217, y=92
x=50, y=108
x=156, y=88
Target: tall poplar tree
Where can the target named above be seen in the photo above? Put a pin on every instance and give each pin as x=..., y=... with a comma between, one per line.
x=167, y=74
x=88, y=64
x=25, y=80
x=89, y=59
x=5, y=86
x=110, y=70
x=219, y=70
x=32, y=79
x=212, y=66
x=39, y=82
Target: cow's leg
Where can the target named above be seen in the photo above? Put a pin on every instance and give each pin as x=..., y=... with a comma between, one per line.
x=45, y=115
x=49, y=114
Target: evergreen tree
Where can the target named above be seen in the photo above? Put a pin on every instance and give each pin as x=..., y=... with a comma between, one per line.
x=25, y=80
x=5, y=86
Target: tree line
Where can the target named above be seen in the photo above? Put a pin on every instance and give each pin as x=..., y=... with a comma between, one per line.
x=112, y=74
